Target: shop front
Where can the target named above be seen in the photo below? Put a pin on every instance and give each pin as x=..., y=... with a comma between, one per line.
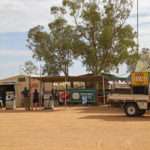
x=11, y=88
x=76, y=90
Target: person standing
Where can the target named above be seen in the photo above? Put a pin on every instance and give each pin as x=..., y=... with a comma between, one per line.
x=56, y=99
x=52, y=97
x=35, y=99
x=26, y=98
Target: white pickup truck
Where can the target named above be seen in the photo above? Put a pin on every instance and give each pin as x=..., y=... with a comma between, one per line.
x=137, y=103
x=133, y=104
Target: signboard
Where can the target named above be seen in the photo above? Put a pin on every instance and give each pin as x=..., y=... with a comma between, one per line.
x=140, y=78
x=76, y=96
x=82, y=96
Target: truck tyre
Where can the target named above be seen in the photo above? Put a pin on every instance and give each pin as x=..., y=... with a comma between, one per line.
x=131, y=109
x=141, y=112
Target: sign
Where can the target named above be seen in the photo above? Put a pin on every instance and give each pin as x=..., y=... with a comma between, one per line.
x=76, y=96
x=82, y=96
x=140, y=78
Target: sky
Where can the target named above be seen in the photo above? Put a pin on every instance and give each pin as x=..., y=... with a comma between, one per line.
x=18, y=16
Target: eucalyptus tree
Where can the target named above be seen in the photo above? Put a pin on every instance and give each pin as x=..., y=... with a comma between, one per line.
x=29, y=68
x=105, y=40
x=54, y=47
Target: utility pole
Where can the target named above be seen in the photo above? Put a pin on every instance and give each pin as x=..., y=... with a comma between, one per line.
x=138, y=26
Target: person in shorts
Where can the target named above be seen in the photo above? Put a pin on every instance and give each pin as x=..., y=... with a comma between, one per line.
x=26, y=98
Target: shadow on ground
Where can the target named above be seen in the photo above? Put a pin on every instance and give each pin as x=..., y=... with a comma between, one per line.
x=31, y=111
x=108, y=113
x=99, y=109
x=118, y=118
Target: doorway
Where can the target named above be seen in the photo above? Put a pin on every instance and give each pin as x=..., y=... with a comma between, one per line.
x=4, y=89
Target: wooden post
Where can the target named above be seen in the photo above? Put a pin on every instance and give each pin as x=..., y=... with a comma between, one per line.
x=30, y=93
x=40, y=96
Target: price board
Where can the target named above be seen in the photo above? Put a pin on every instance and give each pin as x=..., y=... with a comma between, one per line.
x=140, y=79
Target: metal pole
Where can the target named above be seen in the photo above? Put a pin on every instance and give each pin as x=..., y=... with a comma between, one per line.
x=65, y=86
x=104, y=89
x=138, y=26
x=65, y=91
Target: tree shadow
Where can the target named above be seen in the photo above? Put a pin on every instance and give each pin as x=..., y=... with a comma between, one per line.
x=99, y=109
x=117, y=118
x=30, y=111
x=108, y=113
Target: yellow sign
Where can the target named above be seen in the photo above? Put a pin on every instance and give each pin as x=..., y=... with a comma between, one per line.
x=140, y=78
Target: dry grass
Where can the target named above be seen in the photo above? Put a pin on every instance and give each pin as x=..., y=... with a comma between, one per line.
x=74, y=128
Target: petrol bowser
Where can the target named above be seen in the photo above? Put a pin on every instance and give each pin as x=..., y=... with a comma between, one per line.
x=10, y=100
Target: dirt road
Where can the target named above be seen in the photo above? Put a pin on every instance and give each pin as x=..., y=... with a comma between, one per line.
x=74, y=128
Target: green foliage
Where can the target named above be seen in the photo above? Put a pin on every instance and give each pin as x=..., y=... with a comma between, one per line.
x=144, y=61
x=104, y=39
x=99, y=35
x=54, y=48
x=51, y=69
x=29, y=68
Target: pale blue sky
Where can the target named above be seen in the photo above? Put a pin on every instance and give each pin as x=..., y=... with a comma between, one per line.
x=18, y=16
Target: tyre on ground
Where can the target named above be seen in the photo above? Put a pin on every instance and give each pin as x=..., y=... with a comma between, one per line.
x=131, y=109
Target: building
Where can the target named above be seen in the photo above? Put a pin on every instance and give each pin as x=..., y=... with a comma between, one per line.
x=16, y=84
x=46, y=83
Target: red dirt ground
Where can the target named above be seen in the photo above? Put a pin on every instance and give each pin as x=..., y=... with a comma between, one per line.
x=74, y=128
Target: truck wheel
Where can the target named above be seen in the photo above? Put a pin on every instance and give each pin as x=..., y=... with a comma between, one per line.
x=131, y=109
x=141, y=112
